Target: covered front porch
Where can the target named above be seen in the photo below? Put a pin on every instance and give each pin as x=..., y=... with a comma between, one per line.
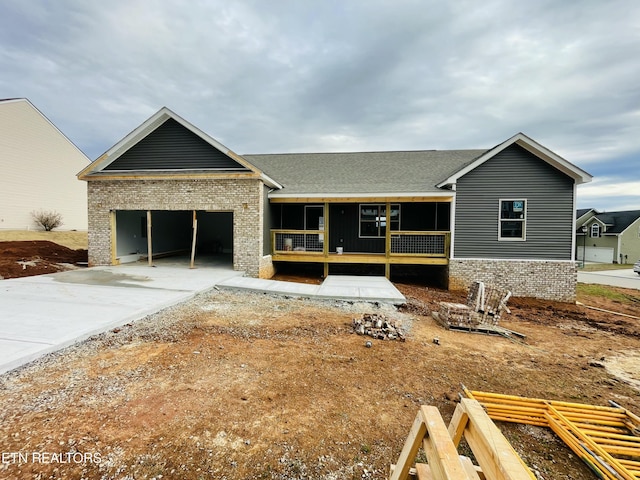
x=362, y=231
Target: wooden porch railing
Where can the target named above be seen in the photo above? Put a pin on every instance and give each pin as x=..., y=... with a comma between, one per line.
x=402, y=243
x=430, y=244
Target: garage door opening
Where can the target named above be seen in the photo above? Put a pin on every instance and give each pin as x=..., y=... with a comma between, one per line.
x=170, y=235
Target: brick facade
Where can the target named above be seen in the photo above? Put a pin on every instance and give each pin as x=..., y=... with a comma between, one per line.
x=551, y=280
x=243, y=197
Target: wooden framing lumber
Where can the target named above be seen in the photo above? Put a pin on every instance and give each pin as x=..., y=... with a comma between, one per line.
x=193, y=240
x=441, y=452
x=410, y=449
x=494, y=453
x=497, y=459
x=149, y=240
x=605, y=438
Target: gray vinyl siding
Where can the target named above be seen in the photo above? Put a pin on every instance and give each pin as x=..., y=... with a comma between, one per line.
x=514, y=173
x=173, y=147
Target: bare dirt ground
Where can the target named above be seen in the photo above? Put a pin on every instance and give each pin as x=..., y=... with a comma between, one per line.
x=249, y=386
x=37, y=257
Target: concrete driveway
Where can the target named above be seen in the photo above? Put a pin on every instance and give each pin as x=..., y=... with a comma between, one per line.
x=45, y=313
x=615, y=278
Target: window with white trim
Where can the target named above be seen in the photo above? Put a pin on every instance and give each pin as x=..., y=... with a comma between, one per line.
x=374, y=220
x=513, y=219
x=595, y=230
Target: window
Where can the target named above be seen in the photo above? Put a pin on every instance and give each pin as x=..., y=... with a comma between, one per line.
x=373, y=220
x=595, y=230
x=513, y=220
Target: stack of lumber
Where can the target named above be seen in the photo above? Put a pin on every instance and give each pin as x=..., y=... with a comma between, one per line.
x=607, y=439
x=495, y=456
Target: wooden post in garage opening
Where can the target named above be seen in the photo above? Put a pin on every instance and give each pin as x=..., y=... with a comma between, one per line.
x=114, y=238
x=149, y=242
x=325, y=247
x=193, y=242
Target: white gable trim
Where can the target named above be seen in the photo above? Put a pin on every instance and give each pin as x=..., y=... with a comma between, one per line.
x=579, y=175
x=149, y=126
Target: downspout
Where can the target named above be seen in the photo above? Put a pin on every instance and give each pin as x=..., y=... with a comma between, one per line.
x=619, y=252
x=574, y=234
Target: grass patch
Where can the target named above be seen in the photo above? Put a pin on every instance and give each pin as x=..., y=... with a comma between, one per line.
x=70, y=239
x=598, y=267
x=586, y=290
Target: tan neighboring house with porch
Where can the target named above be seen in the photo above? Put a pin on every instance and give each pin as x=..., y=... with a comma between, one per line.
x=460, y=215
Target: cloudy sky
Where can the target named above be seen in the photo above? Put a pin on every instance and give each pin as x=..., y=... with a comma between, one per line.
x=339, y=75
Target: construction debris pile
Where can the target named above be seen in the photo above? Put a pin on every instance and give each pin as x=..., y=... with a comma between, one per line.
x=378, y=326
x=485, y=304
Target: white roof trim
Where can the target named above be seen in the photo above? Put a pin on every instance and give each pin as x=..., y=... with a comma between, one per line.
x=278, y=194
x=150, y=125
x=579, y=175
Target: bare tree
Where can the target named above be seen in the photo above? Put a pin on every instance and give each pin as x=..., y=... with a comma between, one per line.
x=47, y=219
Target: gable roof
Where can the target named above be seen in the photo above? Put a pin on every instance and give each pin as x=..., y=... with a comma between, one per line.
x=149, y=152
x=617, y=222
x=579, y=175
x=6, y=101
x=362, y=173
x=581, y=212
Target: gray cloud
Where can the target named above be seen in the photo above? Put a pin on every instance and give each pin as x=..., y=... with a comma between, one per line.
x=330, y=75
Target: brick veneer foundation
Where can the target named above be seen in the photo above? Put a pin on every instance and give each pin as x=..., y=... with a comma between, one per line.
x=551, y=280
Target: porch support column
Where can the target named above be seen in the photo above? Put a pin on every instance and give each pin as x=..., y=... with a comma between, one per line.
x=325, y=247
x=114, y=237
x=387, y=241
x=149, y=242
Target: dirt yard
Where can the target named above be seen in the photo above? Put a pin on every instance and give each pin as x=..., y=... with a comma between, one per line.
x=37, y=257
x=251, y=386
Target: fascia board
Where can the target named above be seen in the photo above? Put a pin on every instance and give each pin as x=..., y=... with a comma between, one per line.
x=144, y=129
x=151, y=124
x=361, y=195
x=579, y=175
x=580, y=219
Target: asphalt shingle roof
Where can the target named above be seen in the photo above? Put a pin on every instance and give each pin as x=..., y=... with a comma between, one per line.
x=582, y=211
x=617, y=222
x=362, y=172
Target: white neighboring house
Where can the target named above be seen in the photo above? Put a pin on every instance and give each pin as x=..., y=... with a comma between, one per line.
x=39, y=165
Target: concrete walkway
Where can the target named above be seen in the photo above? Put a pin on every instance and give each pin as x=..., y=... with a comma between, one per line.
x=45, y=313
x=339, y=287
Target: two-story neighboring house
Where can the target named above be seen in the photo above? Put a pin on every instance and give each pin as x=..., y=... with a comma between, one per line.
x=608, y=237
x=38, y=165
x=503, y=215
